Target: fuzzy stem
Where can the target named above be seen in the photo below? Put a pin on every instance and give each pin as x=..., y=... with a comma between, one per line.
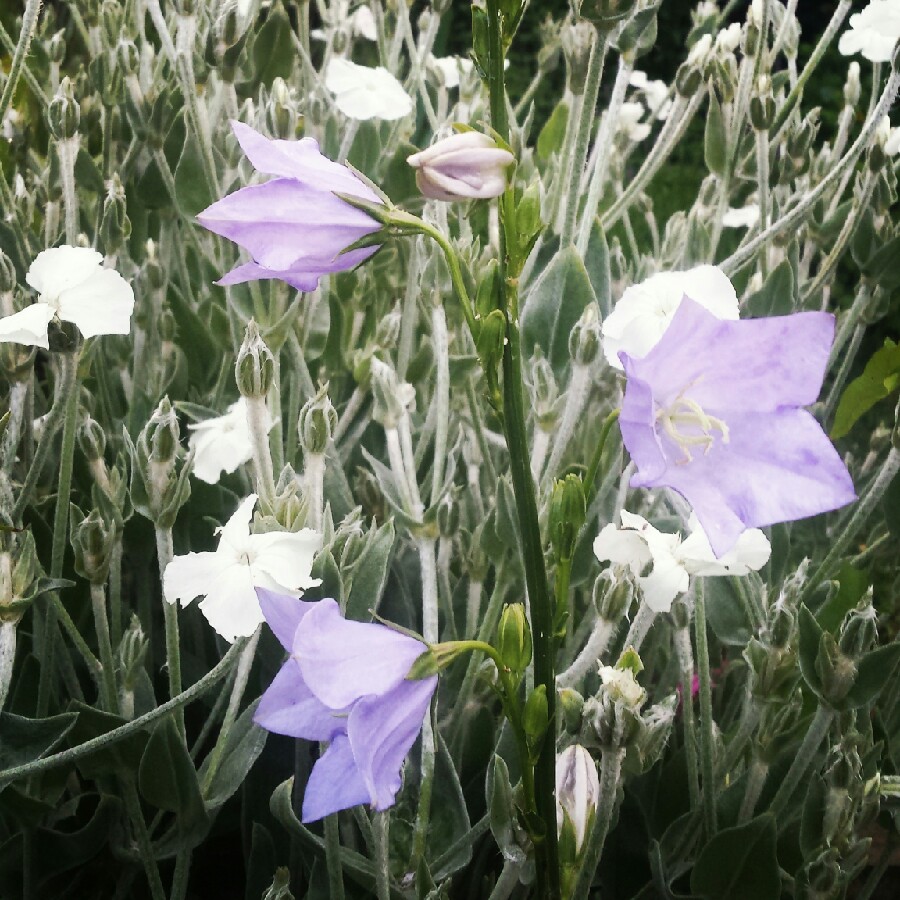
x=590, y=655
x=706, y=715
x=7, y=657
x=257, y=418
x=756, y=779
x=333, y=858
x=101, y=625
x=685, y=653
x=441, y=344
x=29, y=23
x=643, y=620
x=165, y=553
x=817, y=732
x=382, y=854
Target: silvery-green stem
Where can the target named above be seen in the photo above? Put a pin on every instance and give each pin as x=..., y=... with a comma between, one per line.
x=604, y=140
x=640, y=626
x=473, y=606
x=67, y=150
x=506, y=882
x=410, y=311
x=409, y=464
x=142, y=836
x=610, y=772
x=864, y=506
x=575, y=169
x=796, y=215
x=845, y=120
x=560, y=181
x=350, y=130
x=685, y=653
x=530, y=91
x=257, y=417
x=756, y=779
x=540, y=444
x=395, y=458
x=165, y=552
x=7, y=656
x=707, y=742
x=762, y=181
x=790, y=12
x=314, y=471
x=816, y=733
x=101, y=626
x=348, y=414
x=848, y=322
x=29, y=23
x=576, y=399
x=441, y=399
x=590, y=655
x=18, y=393
x=381, y=831
x=843, y=373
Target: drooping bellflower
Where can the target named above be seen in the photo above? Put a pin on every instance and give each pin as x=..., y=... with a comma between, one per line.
x=345, y=682
x=715, y=412
x=295, y=226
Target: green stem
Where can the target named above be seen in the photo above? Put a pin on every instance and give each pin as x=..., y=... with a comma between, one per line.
x=165, y=553
x=64, y=757
x=685, y=654
x=101, y=625
x=756, y=779
x=706, y=716
x=597, y=458
x=142, y=836
x=29, y=23
x=382, y=855
x=817, y=732
x=333, y=858
x=456, y=276
x=610, y=771
x=182, y=874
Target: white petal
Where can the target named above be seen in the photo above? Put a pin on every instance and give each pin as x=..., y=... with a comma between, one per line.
x=667, y=580
x=60, y=268
x=28, y=326
x=231, y=605
x=626, y=548
x=363, y=23
x=286, y=556
x=362, y=92
x=101, y=304
x=751, y=552
x=190, y=576
x=222, y=443
x=236, y=531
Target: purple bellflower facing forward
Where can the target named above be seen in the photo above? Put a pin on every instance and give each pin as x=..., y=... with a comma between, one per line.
x=294, y=226
x=714, y=411
x=345, y=682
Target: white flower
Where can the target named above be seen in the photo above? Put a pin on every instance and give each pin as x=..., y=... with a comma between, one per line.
x=362, y=23
x=700, y=51
x=729, y=39
x=742, y=217
x=629, y=122
x=620, y=684
x=221, y=444
x=361, y=92
x=656, y=94
x=643, y=313
x=892, y=144
x=74, y=287
x=874, y=32
x=228, y=576
x=451, y=68
x=637, y=544
x=886, y=137
x=577, y=790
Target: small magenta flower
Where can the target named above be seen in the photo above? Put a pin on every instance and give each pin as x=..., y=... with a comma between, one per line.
x=465, y=166
x=345, y=682
x=294, y=226
x=714, y=411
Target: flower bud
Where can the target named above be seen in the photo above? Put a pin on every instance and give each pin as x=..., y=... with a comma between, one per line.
x=160, y=439
x=92, y=540
x=762, y=104
x=392, y=397
x=56, y=48
x=620, y=683
x=605, y=14
x=448, y=516
x=387, y=332
x=577, y=793
x=289, y=507
x=227, y=25
x=577, y=39
x=128, y=58
x=64, y=112
x=567, y=515
x=584, y=339
x=281, y=111
x=115, y=226
x=571, y=703
x=535, y=719
x=317, y=422
x=859, y=630
x=254, y=370
x=782, y=624
x=8, y=278
x=545, y=393
x=657, y=726
x=91, y=439
x=130, y=655
x=835, y=669
x=465, y=166
x=514, y=638
x=613, y=592
x=852, y=88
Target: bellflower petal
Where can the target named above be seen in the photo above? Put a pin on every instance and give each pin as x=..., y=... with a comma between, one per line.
x=289, y=707
x=283, y=614
x=335, y=783
x=713, y=411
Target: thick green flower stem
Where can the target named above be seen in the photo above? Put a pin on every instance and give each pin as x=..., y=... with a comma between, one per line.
x=381, y=831
x=610, y=772
x=142, y=836
x=333, y=857
x=165, y=552
x=101, y=625
x=115, y=590
x=864, y=507
x=29, y=23
x=263, y=474
x=816, y=733
x=706, y=716
x=181, y=875
x=685, y=654
x=604, y=142
x=579, y=151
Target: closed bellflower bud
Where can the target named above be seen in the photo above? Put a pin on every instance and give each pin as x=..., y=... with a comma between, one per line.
x=130, y=655
x=281, y=110
x=128, y=58
x=160, y=439
x=254, y=370
x=836, y=670
x=387, y=332
x=545, y=393
x=514, y=638
x=762, y=104
x=317, y=422
x=584, y=339
x=465, y=166
x=289, y=507
x=567, y=515
x=535, y=719
x=64, y=112
x=8, y=278
x=577, y=794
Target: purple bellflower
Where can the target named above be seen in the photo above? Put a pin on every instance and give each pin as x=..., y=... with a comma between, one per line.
x=294, y=226
x=714, y=411
x=345, y=682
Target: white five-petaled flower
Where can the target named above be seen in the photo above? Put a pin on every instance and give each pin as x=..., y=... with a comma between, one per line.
x=363, y=92
x=874, y=32
x=742, y=216
x=644, y=311
x=73, y=286
x=222, y=443
x=637, y=544
x=227, y=577
x=629, y=122
x=656, y=94
x=451, y=68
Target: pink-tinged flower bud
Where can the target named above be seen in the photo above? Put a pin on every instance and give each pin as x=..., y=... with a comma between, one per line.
x=577, y=792
x=466, y=166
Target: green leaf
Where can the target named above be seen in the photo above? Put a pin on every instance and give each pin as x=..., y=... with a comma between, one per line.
x=715, y=150
x=880, y=378
x=242, y=747
x=811, y=836
x=87, y=175
x=449, y=818
x=325, y=568
x=371, y=573
x=192, y=192
x=725, y=612
x=739, y=863
x=273, y=49
x=873, y=672
x=810, y=634
x=502, y=810
x=25, y=740
x=883, y=266
x=852, y=585
x=777, y=296
x=554, y=305
x=597, y=265
x=167, y=779
x=123, y=756
x=552, y=135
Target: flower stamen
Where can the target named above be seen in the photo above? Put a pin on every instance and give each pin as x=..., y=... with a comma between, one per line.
x=688, y=425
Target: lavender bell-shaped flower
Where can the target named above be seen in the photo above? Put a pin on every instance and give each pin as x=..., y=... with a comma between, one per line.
x=714, y=411
x=345, y=682
x=294, y=226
